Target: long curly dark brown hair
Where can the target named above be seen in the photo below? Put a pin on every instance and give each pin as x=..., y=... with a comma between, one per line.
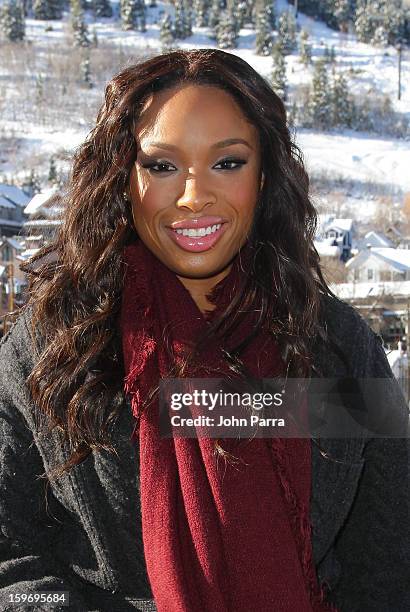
x=76, y=282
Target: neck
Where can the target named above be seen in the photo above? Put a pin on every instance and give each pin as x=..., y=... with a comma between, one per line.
x=200, y=288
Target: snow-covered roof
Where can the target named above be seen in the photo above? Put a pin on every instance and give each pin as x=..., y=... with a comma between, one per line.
x=399, y=258
x=39, y=200
x=377, y=239
x=28, y=253
x=6, y=203
x=13, y=243
x=343, y=224
x=323, y=219
x=11, y=222
x=325, y=249
x=13, y=195
x=42, y=222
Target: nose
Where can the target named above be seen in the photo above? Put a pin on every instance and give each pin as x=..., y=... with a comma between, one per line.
x=196, y=195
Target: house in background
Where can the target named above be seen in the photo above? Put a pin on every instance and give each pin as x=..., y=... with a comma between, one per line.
x=374, y=239
x=11, y=252
x=335, y=232
x=12, y=203
x=379, y=265
x=44, y=213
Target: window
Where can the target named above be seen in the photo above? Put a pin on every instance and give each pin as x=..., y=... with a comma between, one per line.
x=7, y=253
x=369, y=274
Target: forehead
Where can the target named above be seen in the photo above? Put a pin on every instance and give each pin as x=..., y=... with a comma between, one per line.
x=194, y=109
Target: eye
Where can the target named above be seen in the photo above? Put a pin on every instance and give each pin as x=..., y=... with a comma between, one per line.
x=238, y=163
x=158, y=167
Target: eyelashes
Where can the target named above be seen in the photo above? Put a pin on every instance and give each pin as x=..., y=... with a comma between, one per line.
x=154, y=167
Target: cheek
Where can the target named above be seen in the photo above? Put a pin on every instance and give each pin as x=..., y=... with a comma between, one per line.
x=146, y=208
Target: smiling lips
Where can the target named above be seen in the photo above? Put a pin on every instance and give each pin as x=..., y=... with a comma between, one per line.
x=196, y=235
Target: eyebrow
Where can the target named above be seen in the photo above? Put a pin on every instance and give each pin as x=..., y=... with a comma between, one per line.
x=218, y=145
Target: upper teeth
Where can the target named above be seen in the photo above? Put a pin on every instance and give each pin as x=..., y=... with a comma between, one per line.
x=202, y=231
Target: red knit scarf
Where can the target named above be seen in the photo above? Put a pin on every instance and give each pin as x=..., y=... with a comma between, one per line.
x=217, y=537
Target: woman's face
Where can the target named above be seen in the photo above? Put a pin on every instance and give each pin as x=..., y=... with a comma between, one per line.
x=195, y=182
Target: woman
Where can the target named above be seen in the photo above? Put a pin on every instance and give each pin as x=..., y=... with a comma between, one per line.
x=187, y=251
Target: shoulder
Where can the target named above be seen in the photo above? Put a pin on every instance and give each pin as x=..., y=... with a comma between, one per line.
x=16, y=346
x=349, y=345
x=339, y=316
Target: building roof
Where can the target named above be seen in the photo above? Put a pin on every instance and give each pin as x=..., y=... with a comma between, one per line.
x=10, y=195
x=325, y=249
x=18, y=246
x=11, y=223
x=342, y=224
x=398, y=258
x=39, y=200
x=377, y=239
x=42, y=222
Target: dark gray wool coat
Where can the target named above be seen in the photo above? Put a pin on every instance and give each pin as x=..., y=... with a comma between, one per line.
x=83, y=533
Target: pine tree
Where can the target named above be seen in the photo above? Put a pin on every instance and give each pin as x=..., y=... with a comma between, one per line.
x=263, y=34
x=214, y=15
x=278, y=75
x=47, y=9
x=128, y=10
x=52, y=172
x=12, y=20
x=380, y=19
x=102, y=8
x=33, y=183
x=363, y=23
x=342, y=11
x=201, y=13
x=287, y=32
x=267, y=7
x=140, y=16
x=78, y=25
x=380, y=37
x=270, y=13
x=394, y=20
x=188, y=20
x=329, y=55
x=292, y=115
x=239, y=10
x=86, y=71
x=226, y=31
x=166, y=36
x=39, y=88
x=305, y=48
x=180, y=20
x=342, y=103
x=321, y=99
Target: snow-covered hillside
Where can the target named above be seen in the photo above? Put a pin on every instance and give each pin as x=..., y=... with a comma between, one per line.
x=348, y=155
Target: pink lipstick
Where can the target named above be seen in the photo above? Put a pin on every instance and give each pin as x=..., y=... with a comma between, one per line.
x=196, y=235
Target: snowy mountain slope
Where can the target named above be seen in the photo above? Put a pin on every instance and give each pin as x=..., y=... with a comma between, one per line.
x=347, y=154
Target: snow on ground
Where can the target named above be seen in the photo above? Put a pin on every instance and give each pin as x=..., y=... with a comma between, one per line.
x=345, y=154
x=362, y=157
x=363, y=290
